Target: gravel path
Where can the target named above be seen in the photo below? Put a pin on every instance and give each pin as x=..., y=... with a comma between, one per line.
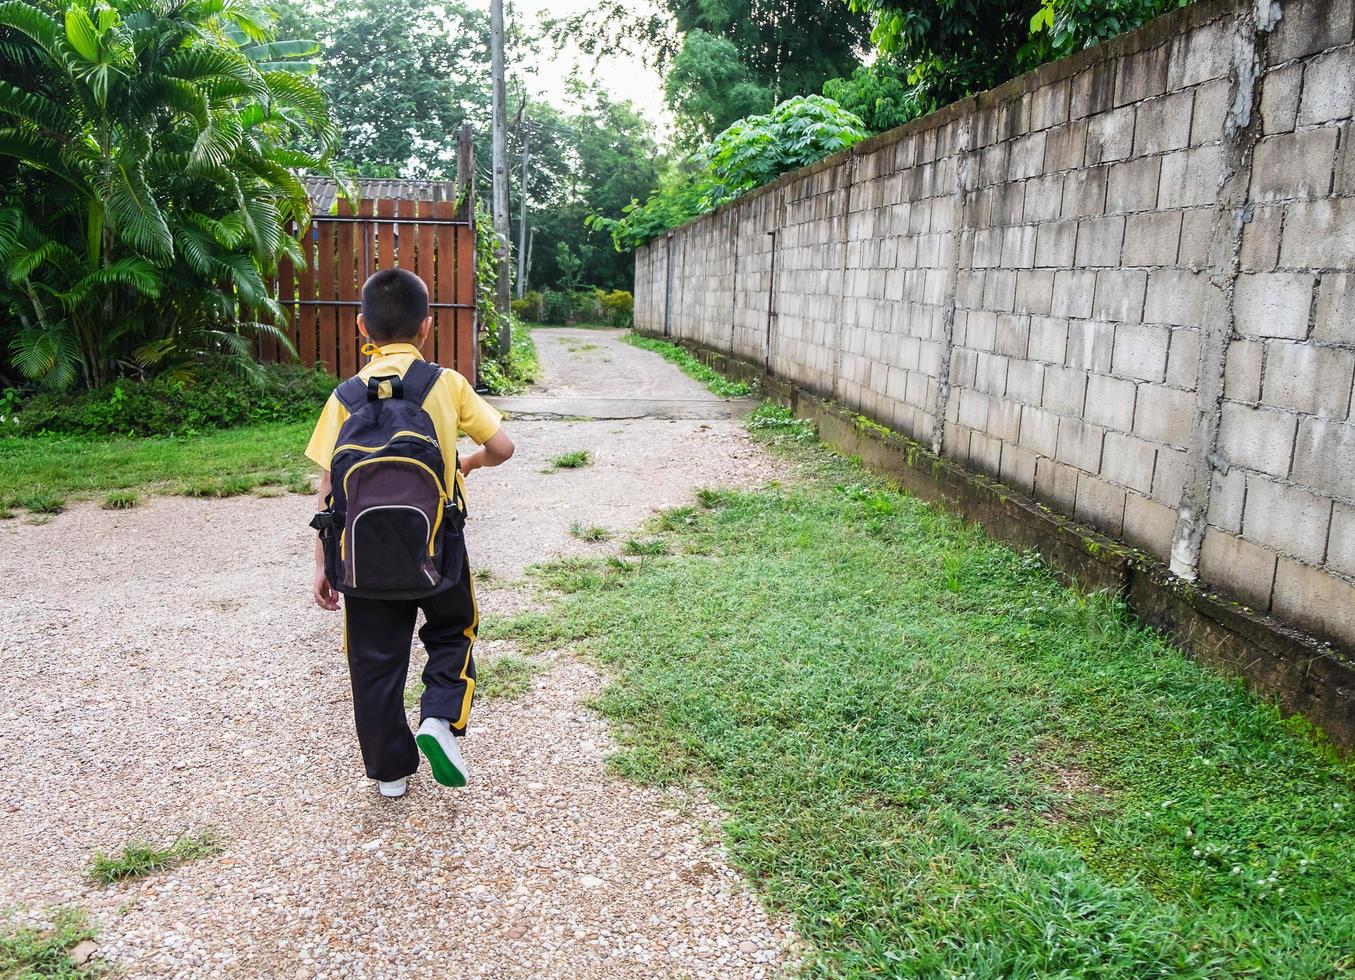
x=165, y=671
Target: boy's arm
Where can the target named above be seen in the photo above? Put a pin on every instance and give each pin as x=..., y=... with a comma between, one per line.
x=325, y=596
x=497, y=449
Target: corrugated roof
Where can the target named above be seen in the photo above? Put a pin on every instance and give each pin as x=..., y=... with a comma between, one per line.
x=324, y=191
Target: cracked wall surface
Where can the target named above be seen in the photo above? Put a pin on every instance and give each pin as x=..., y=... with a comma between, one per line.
x=1123, y=284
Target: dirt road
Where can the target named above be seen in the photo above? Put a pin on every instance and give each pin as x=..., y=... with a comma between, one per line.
x=165, y=671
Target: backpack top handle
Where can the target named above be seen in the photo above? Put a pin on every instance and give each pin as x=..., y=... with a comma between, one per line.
x=415, y=386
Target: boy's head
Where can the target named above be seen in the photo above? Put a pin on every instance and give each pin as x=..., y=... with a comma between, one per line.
x=394, y=307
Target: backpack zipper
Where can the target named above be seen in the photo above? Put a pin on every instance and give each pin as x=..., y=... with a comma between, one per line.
x=386, y=445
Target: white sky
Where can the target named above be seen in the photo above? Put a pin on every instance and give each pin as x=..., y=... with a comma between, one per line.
x=622, y=75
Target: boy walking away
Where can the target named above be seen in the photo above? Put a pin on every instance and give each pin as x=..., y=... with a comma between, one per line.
x=392, y=511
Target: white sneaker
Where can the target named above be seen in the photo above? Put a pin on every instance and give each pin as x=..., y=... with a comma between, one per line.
x=394, y=789
x=438, y=745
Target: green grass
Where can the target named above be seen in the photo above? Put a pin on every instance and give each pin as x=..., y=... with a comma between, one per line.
x=140, y=858
x=41, y=502
x=570, y=461
x=690, y=366
x=122, y=500
x=504, y=678
x=51, y=468
x=645, y=546
x=592, y=532
x=27, y=953
x=942, y=762
x=521, y=368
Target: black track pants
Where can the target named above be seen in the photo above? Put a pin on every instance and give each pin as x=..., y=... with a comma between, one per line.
x=377, y=638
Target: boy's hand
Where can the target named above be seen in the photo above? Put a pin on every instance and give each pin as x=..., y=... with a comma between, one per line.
x=470, y=462
x=325, y=595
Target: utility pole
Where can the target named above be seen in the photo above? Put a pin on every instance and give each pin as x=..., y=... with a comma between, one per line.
x=522, y=219
x=500, y=164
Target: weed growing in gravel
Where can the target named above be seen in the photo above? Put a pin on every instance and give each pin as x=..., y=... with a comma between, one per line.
x=6, y=514
x=140, y=858
x=782, y=422
x=645, y=546
x=590, y=533
x=570, y=461
x=712, y=499
x=29, y=952
x=690, y=366
x=42, y=503
x=943, y=762
x=301, y=483
x=122, y=500
x=505, y=677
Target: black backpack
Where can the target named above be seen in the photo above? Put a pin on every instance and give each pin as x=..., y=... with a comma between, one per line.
x=392, y=529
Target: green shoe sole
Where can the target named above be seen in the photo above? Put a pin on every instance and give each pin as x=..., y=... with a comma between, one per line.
x=443, y=770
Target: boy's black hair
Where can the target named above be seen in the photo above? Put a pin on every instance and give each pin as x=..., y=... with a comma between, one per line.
x=394, y=305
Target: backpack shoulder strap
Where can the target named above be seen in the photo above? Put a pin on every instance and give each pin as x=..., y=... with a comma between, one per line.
x=352, y=394
x=420, y=379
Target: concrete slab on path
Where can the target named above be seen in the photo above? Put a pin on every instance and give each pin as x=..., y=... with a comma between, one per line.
x=594, y=407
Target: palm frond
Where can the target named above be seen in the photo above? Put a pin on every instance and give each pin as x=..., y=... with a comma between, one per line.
x=28, y=20
x=48, y=356
x=135, y=214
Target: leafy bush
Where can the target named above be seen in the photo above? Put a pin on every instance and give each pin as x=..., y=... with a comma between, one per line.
x=520, y=370
x=748, y=154
x=221, y=397
x=556, y=307
x=529, y=308
x=618, y=307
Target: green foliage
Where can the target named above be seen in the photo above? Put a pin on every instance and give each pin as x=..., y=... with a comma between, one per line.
x=147, y=181
x=590, y=533
x=709, y=89
x=219, y=397
x=940, y=51
x=520, y=370
x=747, y=155
x=618, y=307
x=690, y=366
x=122, y=500
x=879, y=93
x=506, y=677
x=571, y=460
x=140, y=859
x=942, y=762
x=27, y=952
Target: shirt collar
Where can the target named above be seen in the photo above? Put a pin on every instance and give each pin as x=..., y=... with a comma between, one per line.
x=385, y=350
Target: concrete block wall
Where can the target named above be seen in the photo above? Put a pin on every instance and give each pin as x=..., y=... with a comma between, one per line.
x=1123, y=284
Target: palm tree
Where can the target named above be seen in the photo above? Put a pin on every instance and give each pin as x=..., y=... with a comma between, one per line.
x=149, y=152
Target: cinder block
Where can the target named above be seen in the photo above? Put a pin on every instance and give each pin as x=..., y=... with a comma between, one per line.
x=985, y=453
x=1119, y=295
x=1258, y=438
x=1212, y=101
x=1093, y=90
x=1128, y=461
x=1017, y=468
x=1308, y=27
x=1099, y=241
x=1074, y=291
x=1280, y=89
x=1034, y=291
x=1055, y=244
x=1183, y=359
x=991, y=379
x=1324, y=456
x=1238, y=567
x=1169, y=474
x=1200, y=54
x=1090, y=345
x=1288, y=519
x=1294, y=164
x=1141, y=75
x=1274, y=304
x=1027, y=156
x=1197, y=231
x=1043, y=199
x=1164, y=414
x=1004, y=420
x=1149, y=525
x=1018, y=246
x=1100, y=504
x=1341, y=542
x=1151, y=238
x=1190, y=177
x=1048, y=336
x=1084, y=192
x=1163, y=124
x=1260, y=240
x=1308, y=378
x=1025, y=384
x=1316, y=600
x=1065, y=391
x=1328, y=87
x=1079, y=442
x=1140, y=352
x=1065, y=147
x=1335, y=319
x=1110, y=136
x=1132, y=185
x=1319, y=234
x=1049, y=105
x=1226, y=495
x=1039, y=430
x=999, y=290
x=1182, y=298
x=1056, y=484
x=1110, y=402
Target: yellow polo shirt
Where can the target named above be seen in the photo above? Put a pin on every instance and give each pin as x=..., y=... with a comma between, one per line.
x=453, y=406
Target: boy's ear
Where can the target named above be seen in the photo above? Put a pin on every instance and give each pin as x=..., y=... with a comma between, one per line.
x=362, y=328
x=424, y=329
